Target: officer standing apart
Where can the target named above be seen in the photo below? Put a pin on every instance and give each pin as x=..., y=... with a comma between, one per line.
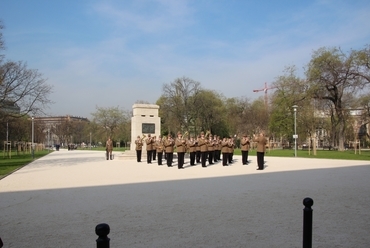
x=109, y=149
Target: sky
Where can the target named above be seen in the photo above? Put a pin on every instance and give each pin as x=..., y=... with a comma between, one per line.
x=113, y=53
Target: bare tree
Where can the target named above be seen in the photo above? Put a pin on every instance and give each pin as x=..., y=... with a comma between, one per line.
x=1, y=41
x=23, y=88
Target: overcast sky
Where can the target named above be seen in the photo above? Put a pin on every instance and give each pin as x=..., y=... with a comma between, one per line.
x=115, y=52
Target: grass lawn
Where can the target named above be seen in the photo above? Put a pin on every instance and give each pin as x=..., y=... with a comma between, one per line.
x=349, y=154
x=8, y=165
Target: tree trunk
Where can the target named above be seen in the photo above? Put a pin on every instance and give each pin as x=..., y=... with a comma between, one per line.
x=341, y=132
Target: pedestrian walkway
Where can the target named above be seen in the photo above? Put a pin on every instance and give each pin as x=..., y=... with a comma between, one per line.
x=57, y=201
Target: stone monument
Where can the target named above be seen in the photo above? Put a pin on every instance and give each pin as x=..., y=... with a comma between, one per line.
x=144, y=121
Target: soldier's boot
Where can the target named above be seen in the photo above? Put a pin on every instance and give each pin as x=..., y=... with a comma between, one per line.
x=111, y=157
x=107, y=156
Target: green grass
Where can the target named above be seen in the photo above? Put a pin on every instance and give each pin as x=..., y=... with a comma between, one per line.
x=8, y=165
x=349, y=154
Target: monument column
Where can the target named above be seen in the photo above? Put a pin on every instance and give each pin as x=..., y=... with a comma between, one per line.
x=145, y=120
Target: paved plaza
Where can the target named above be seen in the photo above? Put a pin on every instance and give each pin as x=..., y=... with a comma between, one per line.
x=57, y=201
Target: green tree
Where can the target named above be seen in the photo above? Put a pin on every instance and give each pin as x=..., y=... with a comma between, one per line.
x=331, y=75
x=210, y=111
x=177, y=106
x=109, y=121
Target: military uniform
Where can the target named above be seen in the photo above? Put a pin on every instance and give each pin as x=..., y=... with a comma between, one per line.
x=261, y=149
x=109, y=149
x=197, y=150
x=245, y=149
x=138, y=148
x=192, y=150
x=202, y=142
x=211, y=150
x=169, y=147
x=180, y=149
x=159, y=149
x=149, y=149
x=225, y=151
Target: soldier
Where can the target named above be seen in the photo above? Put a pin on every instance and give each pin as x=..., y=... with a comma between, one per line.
x=245, y=148
x=154, y=148
x=109, y=148
x=169, y=144
x=225, y=151
x=211, y=149
x=197, y=150
x=202, y=142
x=138, y=148
x=231, y=150
x=261, y=148
x=149, y=149
x=217, y=148
x=192, y=150
x=159, y=148
x=180, y=148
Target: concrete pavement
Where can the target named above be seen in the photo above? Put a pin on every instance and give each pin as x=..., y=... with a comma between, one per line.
x=58, y=200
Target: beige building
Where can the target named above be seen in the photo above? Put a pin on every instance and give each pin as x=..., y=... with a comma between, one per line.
x=50, y=125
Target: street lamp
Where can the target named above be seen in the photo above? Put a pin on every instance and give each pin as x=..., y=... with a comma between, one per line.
x=32, y=147
x=90, y=140
x=7, y=132
x=295, y=136
x=48, y=139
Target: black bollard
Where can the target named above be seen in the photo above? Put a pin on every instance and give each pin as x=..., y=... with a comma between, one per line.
x=307, y=223
x=102, y=230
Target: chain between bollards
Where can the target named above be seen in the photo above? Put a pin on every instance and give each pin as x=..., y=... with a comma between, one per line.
x=102, y=230
x=307, y=223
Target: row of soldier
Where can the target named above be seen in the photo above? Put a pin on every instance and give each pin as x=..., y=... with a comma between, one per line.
x=202, y=149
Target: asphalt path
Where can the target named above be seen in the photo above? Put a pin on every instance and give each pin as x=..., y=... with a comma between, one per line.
x=57, y=200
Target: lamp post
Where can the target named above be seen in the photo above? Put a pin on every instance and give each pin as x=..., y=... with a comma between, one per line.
x=32, y=147
x=7, y=132
x=48, y=139
x=90, y=140
x=295, y=136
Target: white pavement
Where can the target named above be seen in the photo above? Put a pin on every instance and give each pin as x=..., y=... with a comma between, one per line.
x=58, y=200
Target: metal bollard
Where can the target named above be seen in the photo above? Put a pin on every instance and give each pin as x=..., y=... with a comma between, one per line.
x=307, y=223
x=102, y=230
